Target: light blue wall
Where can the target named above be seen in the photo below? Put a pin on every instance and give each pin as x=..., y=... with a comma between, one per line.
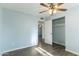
x=72, y=30
x=0, y=28
x=18, y=30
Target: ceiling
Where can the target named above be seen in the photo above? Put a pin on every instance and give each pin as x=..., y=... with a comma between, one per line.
x=33, y=8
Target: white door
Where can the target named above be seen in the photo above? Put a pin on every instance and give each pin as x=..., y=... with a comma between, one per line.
x=48, y=32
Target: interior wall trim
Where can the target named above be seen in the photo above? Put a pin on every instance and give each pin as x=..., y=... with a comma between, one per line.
x=72, y=52
x=16, y=49
x=59, y=43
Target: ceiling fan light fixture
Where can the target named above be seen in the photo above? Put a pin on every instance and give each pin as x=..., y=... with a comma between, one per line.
x=53, y=7
x=56, y=6
x=55, y=11
x=50, y=11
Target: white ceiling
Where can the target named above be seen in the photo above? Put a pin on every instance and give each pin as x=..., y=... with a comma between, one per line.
x=33, y=8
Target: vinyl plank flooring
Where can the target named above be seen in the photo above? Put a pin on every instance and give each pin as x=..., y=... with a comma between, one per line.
x=55, y=50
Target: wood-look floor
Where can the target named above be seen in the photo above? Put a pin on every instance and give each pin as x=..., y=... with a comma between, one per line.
x=55, y=50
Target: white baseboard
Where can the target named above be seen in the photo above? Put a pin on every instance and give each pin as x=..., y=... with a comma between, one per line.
x=15, y=49
x=59, y=43
x=72, y=52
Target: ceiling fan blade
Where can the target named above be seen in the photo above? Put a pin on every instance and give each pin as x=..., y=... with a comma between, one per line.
x=62, y=9
x=51, y=5
x=59, y=4
x=43, y=4
x=43, y=11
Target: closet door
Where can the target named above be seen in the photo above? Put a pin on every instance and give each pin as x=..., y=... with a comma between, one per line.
x=59, y=31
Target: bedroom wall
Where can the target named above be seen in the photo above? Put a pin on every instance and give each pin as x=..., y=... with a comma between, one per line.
x=19, y=30
x=71, y=29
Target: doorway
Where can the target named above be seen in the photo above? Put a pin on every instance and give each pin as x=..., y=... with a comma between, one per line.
x=59, y=31
x=40, y=33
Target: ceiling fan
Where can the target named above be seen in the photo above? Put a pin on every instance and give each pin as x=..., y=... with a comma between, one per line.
x=52, y=7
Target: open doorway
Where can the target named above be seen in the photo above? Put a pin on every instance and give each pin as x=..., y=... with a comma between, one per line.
x=58, y=32
x=40, y=32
